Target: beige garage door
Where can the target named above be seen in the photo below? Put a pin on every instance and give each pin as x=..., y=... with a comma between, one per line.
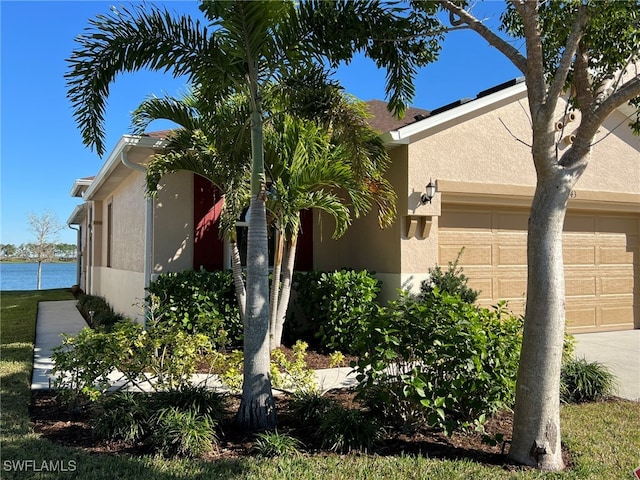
x=601, y=257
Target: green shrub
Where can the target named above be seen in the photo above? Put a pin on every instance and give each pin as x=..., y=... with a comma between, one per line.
x=387, y=401
x=97, y=312
x=583, y=381
x=338, y=305
x=168, y=355
x=199, y=302
x=311, y=407
x=177, y=432
x=453, y=282
x=198, y=399
x=178, y=422
x=274, y=444
x=292, y=375
x=345, y=430
x=455, y=360
x=122, y=416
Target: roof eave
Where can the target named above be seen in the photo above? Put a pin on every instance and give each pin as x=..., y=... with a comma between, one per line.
x=404, y=135
x=114, y=158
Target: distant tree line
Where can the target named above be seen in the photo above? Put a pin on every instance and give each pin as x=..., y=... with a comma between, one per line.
x=34, y=251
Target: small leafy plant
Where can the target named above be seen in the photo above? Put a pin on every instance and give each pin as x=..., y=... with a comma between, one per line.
x=337, y=304
x=583, y=381
x=274, y=444
x=453, y=282
x=344, y=430
x=292, y=375
x=178, y=432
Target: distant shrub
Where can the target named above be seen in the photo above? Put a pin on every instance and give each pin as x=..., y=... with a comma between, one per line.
x=97, y=312
x=583, y=381
x=199, y=302
x=336, y=305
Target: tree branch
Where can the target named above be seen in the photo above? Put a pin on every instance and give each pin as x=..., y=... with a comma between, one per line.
x=481, y=29
x=571, y=46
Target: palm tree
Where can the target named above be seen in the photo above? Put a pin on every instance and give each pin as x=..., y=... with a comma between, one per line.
x=313, y=163
x=246, y=45
x=310, y=162
x=212, y=141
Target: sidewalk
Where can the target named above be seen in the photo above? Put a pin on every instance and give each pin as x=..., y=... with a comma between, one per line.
x=620, y=351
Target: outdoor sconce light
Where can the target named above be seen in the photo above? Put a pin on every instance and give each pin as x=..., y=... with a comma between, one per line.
x=430, y=191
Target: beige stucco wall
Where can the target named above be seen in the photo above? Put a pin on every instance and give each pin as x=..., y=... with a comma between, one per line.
x=173, y=224
x=128, y=206
x=123, y=289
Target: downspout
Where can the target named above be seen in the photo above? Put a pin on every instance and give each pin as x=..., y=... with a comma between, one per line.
x=78, y=255
x=148, y=220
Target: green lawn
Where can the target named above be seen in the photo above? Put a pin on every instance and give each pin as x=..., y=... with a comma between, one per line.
x=604, y=437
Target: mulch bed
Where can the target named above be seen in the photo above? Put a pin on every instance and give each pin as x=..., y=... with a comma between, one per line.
x=55, y=422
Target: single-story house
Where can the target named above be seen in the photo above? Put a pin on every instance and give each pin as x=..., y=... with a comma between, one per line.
x=476, y=153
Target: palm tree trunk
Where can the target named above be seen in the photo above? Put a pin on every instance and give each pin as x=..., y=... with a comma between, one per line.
x=285, y=293
x=275, y=291
x=257, y=408
x=238, y=281
x=536, y=428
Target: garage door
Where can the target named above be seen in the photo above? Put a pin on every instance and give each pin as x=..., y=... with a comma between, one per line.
x=601, y=257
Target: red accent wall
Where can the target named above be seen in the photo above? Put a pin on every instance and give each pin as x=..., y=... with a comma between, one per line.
x=208, y=248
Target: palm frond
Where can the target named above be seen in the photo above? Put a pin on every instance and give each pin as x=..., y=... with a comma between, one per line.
x=128, y=40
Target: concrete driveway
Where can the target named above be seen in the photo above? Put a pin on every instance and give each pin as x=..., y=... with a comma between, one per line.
x=620, y=351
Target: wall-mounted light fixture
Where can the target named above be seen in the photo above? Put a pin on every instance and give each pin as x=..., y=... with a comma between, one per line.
x=429, y=193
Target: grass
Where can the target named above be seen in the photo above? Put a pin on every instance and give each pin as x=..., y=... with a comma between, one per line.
x=603, y=437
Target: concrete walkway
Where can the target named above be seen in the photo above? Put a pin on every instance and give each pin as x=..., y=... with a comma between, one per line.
x=54, y=318
x=620, y=351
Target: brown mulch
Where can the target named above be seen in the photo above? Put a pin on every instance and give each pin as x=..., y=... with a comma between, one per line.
x=57, y=423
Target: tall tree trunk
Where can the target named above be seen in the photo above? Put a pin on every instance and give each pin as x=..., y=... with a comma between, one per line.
x=536, y=427
x=275, y=291
x=285, y=293
x=39, y=275
x=257, y=408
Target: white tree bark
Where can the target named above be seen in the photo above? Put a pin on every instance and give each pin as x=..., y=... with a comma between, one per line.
x=285, y=294
x=275, y=290
x=257, y=408
x=536, y=429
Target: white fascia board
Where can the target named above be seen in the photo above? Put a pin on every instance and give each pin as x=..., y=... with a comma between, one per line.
x=402, y=136
x=76, y=190
x=125, y=142
x=78, y=213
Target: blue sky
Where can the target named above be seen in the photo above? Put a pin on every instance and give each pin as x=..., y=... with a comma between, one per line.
x=41, y=148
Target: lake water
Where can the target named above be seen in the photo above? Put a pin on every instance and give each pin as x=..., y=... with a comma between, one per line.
x=23, y=276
